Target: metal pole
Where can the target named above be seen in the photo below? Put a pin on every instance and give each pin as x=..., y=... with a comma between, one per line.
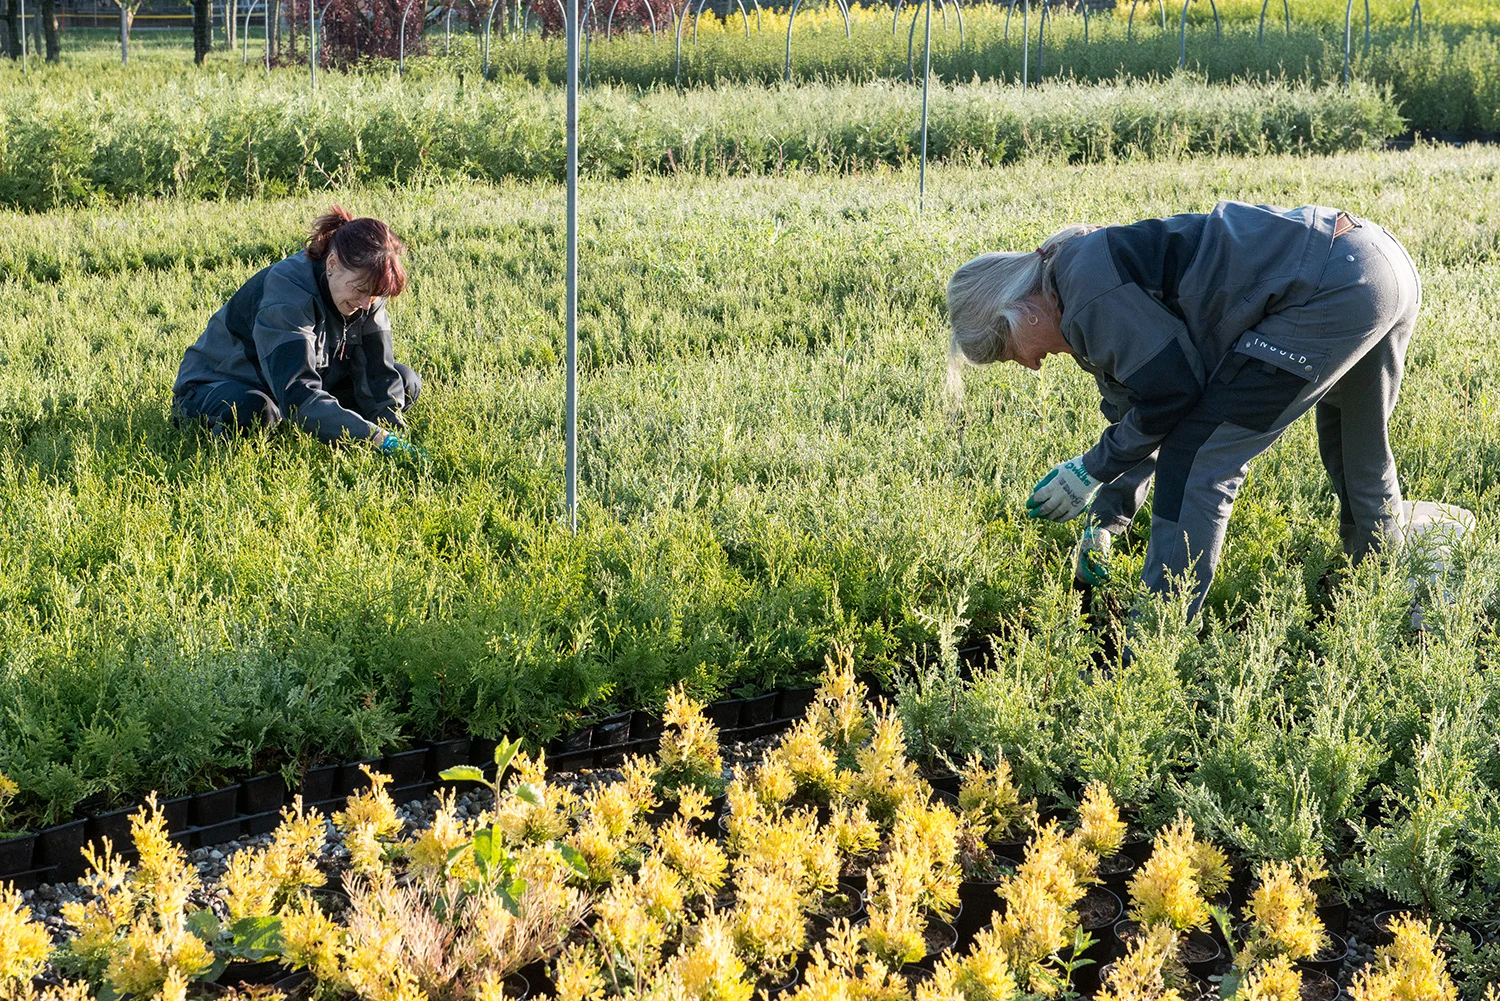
x=124, y=35
x=572, y=270
x=926, y=79
x=1025, y=42
x=24, y=43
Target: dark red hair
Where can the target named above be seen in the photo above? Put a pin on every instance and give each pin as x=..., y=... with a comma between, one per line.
x=366, y=246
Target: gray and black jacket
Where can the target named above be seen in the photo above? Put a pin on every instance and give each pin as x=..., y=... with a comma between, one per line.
x=1153, y=309
x=282, y=334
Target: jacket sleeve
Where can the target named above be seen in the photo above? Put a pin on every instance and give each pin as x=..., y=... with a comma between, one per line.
x=1145, y=347
x=286, y=344
x=380, y=380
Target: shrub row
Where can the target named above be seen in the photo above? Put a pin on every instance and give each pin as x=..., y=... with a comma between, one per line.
x=210, y=141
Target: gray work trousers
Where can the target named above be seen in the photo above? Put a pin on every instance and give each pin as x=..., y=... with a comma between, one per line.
x=1362, y=315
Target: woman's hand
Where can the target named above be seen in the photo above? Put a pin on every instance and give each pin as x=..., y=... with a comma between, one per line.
x=395, y=445
x=1064, y=493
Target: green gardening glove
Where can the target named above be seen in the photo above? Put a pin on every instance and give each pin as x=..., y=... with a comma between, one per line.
x=1064, y=493
x=398, y=447
x=1091, y=558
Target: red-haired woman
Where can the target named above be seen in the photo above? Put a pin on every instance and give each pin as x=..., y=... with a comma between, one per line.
x=308, y=340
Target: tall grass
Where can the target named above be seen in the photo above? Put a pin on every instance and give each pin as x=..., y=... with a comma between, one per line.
x=214, y=139
x=769, y=463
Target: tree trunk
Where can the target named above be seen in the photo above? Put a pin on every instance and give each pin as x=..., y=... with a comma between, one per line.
x=273, y=26
x=231, y=23
x=203, y=39
x=13, y=29
x=49, y=30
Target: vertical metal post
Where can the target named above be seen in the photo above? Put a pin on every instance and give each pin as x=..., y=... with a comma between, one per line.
x=571, y=319
x=124, y=35
x=1025, y=42
x=926, y=80
x=24, y=42
x=312, y=41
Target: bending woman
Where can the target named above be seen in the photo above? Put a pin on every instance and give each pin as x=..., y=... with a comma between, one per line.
x=1208, y=336
x=308, y=340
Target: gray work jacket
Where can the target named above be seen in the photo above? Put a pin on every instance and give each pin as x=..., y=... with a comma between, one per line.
x=1153, y=308
x=282, y=334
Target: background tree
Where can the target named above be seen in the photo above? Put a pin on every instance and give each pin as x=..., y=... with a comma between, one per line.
x=127, y=21
x=203, y=30
x=48, y=11
x=13, y=29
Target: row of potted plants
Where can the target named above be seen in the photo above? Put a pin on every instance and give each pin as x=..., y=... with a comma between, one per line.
x=828, y=870
x=253, y=805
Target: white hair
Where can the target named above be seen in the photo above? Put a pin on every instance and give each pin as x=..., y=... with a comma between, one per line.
x=985, y=299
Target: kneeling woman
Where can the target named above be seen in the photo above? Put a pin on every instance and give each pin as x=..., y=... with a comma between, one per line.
x=308, y=340
x=1208, y=336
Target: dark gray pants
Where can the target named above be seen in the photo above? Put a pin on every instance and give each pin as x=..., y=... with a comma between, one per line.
x=1362, y=317
x=236, y=405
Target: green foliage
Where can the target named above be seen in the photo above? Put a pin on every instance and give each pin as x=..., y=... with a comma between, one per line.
x=221, y=137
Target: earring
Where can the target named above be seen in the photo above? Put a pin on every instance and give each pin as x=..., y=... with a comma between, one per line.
x=1032, y=320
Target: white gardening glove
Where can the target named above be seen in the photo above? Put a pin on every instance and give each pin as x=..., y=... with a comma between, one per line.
x=1091, y=561
x=1064, y=493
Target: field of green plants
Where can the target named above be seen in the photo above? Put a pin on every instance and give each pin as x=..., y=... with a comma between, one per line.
x=771, y=467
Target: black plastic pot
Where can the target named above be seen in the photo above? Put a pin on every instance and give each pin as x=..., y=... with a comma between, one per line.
x=610, y=736
x=405, y=767
x=1320, y=987
x=267, y=971
x=1330, y=959
x=1450, y=928
x=261, y=823
x=948, y=799
x=773, y=989
x=580, y=739
x=1334, y=913
x=949, y=936
x=517, y=987
x=792, y=703
x=176, y=812
x=1116, y=871
x=725, y=713
x=856, y=900
x=288, y=984
x=215, y=807
x=758, y=711
x=482, y=751
x=62, y=847
x=980, y=901
x=114, y=825
x=1204, y=966
x=317, y=783
x=352, y=778
x=262, y=794
x=406, y=794
x=447, y=754
x=218, y=834
x=1137, y=846
x=646, y=725
x=947, y=782
x=16, y=854
x=537, y=978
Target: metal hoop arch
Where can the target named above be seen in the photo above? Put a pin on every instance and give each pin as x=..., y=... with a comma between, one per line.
x=245, y=50
x=1041, y=42
x=609, y=22
x=1416, y=18
x=1286, y=8
x=401, y=52
x=1130, y=24
x=1218, y=30
x=699, y=16
x=1349, y=34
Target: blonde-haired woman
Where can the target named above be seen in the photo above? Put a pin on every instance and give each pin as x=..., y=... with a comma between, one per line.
x=1208, y=335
